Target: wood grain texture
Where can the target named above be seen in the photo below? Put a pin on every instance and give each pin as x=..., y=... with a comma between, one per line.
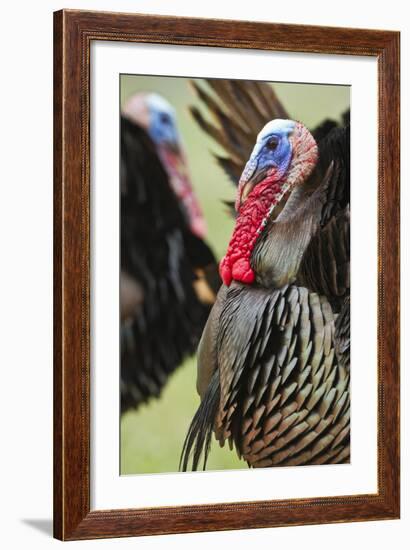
x=73, y=32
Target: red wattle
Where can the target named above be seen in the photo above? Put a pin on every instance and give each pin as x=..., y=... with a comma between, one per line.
x=236, y=263
x=225, y=272
x=242, y=271
x=176, y=166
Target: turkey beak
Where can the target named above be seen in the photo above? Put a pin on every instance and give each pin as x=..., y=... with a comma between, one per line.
x=173, y=147
x=251, y=176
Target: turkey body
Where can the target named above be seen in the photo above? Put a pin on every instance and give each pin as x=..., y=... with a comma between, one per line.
x=280, y=396
x=162, y=313
x=274, y=357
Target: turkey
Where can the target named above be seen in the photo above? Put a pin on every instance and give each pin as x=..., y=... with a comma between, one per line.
x=274, y=357
x=168, y=272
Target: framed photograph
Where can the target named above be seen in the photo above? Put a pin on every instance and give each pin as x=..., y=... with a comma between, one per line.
x=226, y=275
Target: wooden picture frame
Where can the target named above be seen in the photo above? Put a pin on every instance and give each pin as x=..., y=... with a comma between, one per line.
x=74, y=32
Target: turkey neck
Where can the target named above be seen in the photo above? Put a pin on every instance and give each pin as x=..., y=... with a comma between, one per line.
x=278, y=252
x=175, y=164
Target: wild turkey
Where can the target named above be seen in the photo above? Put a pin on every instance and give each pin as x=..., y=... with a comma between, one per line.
x=274, y=361
x=165, y=294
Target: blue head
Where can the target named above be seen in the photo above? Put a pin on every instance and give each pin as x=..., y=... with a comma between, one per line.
x=272, y=150
x=162, y=125
x=283, y=149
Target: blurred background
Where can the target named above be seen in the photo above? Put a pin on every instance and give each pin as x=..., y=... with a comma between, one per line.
x=153, y=435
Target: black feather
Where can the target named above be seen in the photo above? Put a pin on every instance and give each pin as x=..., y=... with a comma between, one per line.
x=160, y=254
x=198, y=438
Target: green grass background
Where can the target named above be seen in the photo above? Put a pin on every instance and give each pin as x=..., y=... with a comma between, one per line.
x=152, y=436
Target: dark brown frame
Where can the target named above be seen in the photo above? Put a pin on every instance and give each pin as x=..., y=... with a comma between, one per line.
x=73, y=33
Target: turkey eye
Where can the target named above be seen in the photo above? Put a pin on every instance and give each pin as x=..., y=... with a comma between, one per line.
x=164, y=118
x=272, y=143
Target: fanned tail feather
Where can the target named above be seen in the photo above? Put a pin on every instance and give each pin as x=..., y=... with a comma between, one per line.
x=238, y=110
